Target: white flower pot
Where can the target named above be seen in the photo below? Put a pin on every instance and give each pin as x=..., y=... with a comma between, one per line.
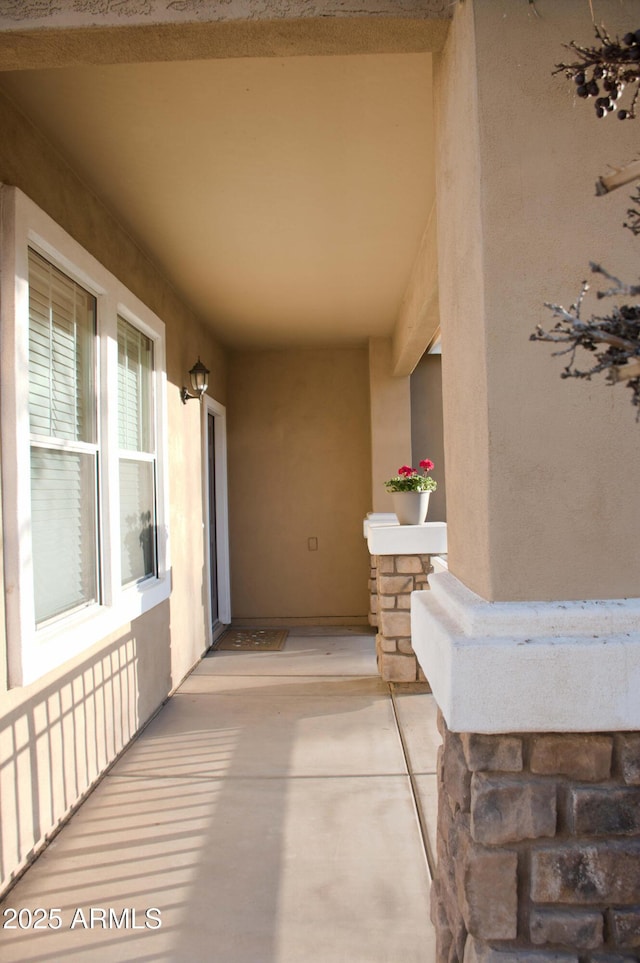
x=411, y=507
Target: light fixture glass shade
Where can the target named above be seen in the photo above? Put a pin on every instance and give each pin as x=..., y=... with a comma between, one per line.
x=199, y=377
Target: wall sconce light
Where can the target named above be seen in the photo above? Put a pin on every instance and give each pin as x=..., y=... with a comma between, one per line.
x=199, y=376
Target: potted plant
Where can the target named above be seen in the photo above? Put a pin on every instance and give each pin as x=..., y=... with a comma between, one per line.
x=410, y=490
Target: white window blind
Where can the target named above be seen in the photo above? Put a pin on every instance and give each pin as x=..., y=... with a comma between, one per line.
x=138, y=526
x=62, y=416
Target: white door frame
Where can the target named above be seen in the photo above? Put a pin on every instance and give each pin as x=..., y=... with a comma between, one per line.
x=219, y=412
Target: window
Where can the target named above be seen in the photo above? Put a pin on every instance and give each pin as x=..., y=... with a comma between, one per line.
x=137, y=454
x=63, y=440
x=83, y=445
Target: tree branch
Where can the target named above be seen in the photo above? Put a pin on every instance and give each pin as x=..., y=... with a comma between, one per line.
x=618, y=178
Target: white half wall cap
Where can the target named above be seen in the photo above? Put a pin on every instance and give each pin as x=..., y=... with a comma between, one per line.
x=498, y=667
x=386, y=537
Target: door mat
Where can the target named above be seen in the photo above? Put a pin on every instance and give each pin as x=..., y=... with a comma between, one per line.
x=253, y=640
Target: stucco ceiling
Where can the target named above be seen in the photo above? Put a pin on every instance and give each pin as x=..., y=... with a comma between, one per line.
x=284, y=199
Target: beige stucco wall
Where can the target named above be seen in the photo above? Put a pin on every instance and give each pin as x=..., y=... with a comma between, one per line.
x=542, y=473
x=418, y=320
x=427, y=428
x=390, y=402
x=299, y=465
x=59, y=733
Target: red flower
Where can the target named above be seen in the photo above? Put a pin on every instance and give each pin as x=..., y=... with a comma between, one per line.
x=405, y=470
x=427, y=464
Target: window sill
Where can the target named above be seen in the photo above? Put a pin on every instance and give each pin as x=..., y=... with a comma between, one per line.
x=52, y=647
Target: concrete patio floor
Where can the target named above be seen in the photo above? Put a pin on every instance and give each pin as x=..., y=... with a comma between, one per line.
x=268, y=814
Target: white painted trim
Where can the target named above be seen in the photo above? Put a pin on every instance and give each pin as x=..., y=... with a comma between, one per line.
x=33, y=652
x=219, y=412
x=378, y=518
x=528, y=666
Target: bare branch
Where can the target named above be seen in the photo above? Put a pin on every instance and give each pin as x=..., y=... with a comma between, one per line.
x=624, y=373
x=560, y=312
x=605, y=72
x=618, y=178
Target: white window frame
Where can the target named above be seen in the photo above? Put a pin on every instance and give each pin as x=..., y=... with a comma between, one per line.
x=32, y=651
x=150, y=457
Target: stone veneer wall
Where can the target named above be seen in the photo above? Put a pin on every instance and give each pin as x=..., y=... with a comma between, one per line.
x=393, y=579
x=373, y=592
x=538, y=848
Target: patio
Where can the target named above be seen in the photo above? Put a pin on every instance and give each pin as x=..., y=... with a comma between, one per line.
x=274, y=811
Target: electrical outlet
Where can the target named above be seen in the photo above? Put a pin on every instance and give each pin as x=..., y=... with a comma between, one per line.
x=312, y=544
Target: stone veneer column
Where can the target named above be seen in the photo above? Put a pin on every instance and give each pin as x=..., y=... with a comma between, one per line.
x=397, y=576
x=400, y=563
x=538, y=848
x=539, y=833
x=539, y=776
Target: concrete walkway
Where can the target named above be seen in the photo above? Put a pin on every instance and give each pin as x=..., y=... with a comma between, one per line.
x=266, y=815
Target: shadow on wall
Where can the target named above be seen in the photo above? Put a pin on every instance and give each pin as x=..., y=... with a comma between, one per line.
x=427, y=429
x=140, y=542
x=55, y=744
